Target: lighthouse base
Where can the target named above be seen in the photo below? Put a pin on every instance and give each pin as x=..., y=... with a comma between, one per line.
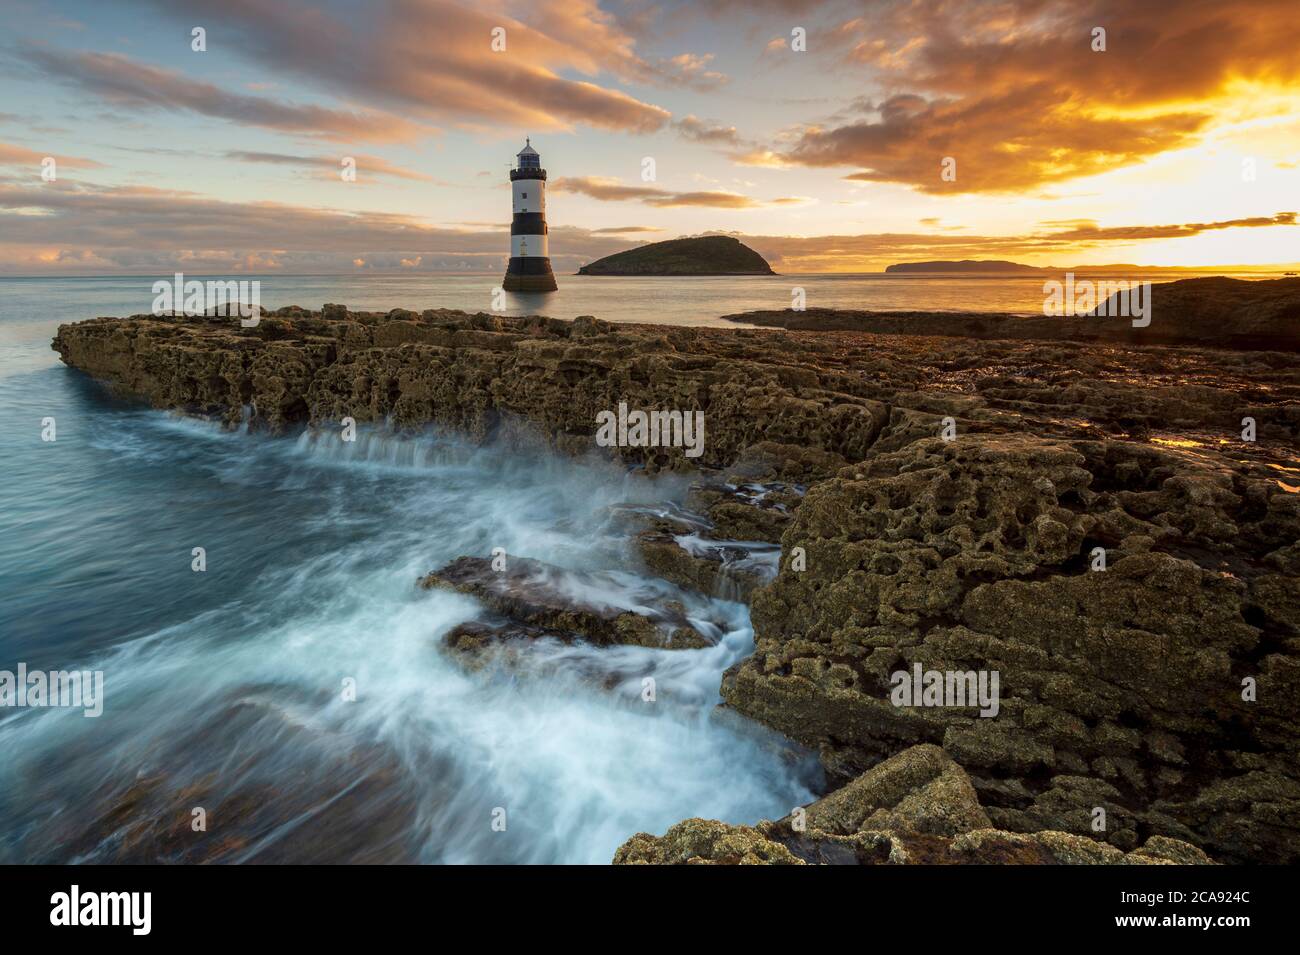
x=529, y=283
x=529, y=274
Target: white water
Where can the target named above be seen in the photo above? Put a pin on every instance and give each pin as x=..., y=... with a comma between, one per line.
x=314, y=547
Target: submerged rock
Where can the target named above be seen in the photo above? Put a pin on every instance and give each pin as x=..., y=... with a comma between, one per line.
x=336, y=803
x=747, y=510
x=548, y=600
x=724, y=543
x=692, y=551
x=728, y=569
x=479, y=642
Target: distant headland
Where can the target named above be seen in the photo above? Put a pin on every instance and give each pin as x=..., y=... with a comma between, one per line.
x=704, y=255
x=965, y=265
x=994, y=266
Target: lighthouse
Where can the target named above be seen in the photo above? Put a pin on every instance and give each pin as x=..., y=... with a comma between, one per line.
x=530, y=262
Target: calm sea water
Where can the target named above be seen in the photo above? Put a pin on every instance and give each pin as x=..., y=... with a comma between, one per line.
x=223, y=687
x=675, y=301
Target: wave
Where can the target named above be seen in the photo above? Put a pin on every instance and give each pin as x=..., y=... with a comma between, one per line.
x=241, y=708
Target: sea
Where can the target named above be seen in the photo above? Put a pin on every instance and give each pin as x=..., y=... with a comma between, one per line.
x=290, y=694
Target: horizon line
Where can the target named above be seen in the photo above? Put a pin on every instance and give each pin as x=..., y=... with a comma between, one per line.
x=1279, y=267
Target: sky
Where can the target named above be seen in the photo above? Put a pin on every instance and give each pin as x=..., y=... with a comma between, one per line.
x=829, y=136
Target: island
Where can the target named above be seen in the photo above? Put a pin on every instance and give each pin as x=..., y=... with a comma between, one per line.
x=1003, y=266
x=701, y=255
x=965, y=265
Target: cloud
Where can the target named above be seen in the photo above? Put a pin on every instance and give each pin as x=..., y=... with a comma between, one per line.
x=692, y=70
x=868, y=251
x=1013, y=91
x=608, y=190
x=125, y=82
x=11, y=155
x=1006, y=143
x=1093, y=232
x=331, y=166
x=611, y=190
x=434, y=59
x=740, y=150
x=703, y=131
x=764, y=158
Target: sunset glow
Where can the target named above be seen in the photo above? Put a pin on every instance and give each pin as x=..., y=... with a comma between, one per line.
x=1176, y=145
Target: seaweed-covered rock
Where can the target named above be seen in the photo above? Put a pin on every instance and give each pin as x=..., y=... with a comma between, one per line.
x=478, y=642
x=704, y=841
x=921, y=789
x=547, y=599
x=916, y=808
x=1120, y=593
x=724, y=568
x=476, y=373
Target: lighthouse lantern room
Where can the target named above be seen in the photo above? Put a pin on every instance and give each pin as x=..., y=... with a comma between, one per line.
x=530, y=262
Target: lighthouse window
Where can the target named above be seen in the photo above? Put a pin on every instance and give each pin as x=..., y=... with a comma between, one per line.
x=525, y=195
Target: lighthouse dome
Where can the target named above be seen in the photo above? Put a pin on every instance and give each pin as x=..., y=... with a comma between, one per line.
x=528, y=158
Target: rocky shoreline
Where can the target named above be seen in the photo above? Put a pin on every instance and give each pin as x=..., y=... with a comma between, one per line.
x=1212, y=312
x=947, y=499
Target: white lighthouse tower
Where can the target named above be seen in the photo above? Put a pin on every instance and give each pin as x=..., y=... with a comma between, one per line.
x=530, y=261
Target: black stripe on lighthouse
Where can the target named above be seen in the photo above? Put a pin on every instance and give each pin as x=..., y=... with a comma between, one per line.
x=528, y=223
x=529, y=265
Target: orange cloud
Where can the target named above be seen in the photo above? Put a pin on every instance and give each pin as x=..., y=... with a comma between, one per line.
x=871, y=251
x=1092, y=232
x=611, y=190
x=1014, y=92
x=435, y=58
